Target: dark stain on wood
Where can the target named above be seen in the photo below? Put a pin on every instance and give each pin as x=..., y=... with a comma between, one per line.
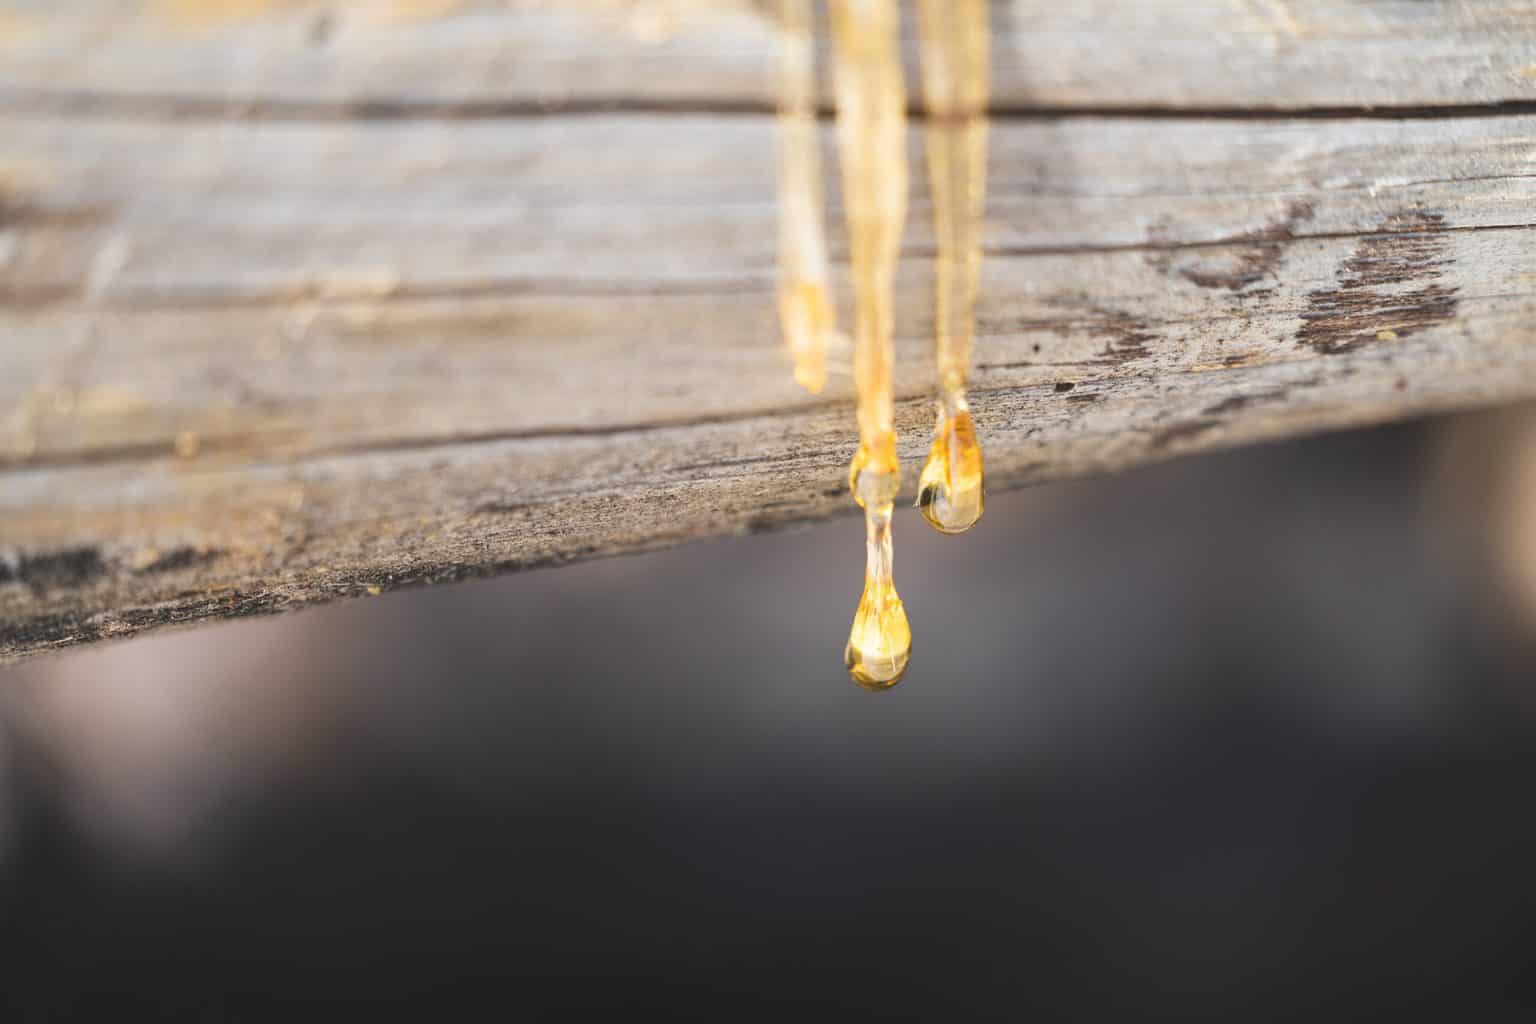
x=1249, y=265
x=1062, y=387
x=1369, y=303
x=181, y=558
x=1283, y=228
x=502, y=508
x=80, y=567
x=1169, y=436
x=49, y=631
x=18, y=212
x=57, y=570
x=1252, y=257
x=1128, y=339
x=322, y=29
x=1226, y=405
x=1270, y=396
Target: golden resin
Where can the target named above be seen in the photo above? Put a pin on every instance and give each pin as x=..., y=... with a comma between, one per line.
x=805, y=304
x=880, y=645
x=871, y=135
x=951, y=491
x=956, y=47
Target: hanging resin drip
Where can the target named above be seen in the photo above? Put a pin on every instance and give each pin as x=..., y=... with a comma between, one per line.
x=806, y=313
x=955, y=45
x=880, y=643
x=871, y=134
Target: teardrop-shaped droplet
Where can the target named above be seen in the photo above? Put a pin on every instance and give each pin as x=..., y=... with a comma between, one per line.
x=952, y=491
x=880, y=644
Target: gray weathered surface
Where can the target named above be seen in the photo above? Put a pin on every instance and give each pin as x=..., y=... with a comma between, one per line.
x=1282, y=54
x=252, y=362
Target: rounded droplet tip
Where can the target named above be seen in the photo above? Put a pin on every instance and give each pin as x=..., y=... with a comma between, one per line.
x=810, y=375
x=880, y=643
x=806, y=315
x=876, y=674
x=951, y=512
x=952, y=492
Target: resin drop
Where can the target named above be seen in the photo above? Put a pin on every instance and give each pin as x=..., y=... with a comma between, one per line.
x=805, y=311
x=871, y=131
x=951, y=491
x=880, y=643
x=880, y=646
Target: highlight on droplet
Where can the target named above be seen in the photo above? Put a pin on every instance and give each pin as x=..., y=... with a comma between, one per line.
x=880, y=645
x=952, y=490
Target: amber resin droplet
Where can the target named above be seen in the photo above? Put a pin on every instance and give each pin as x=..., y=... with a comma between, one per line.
x=871, y=135
x=955, y=57
x=880, y=646
x=952, y=489
x=880, y=643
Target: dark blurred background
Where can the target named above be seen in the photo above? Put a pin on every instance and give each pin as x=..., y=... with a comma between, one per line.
x=1247, y=736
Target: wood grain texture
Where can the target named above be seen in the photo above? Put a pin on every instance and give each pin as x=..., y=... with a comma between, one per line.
x=254, y=358
x=1275, y=54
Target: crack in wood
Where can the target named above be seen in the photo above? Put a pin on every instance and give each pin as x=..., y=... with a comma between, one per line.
x=322, y=296
x=182, y=107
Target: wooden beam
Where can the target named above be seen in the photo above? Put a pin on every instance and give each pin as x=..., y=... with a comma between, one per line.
x=257, y=356
x=408, y=54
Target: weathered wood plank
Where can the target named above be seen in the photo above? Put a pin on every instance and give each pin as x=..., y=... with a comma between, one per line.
x=1380, y=326
x=1085, y=53
x=133, y=212
x=106, y=550
x=299, y=288
x=250, y=362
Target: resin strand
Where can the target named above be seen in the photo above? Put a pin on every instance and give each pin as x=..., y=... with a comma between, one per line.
x=806, y=313
x=871, y=132
x=955, y=51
